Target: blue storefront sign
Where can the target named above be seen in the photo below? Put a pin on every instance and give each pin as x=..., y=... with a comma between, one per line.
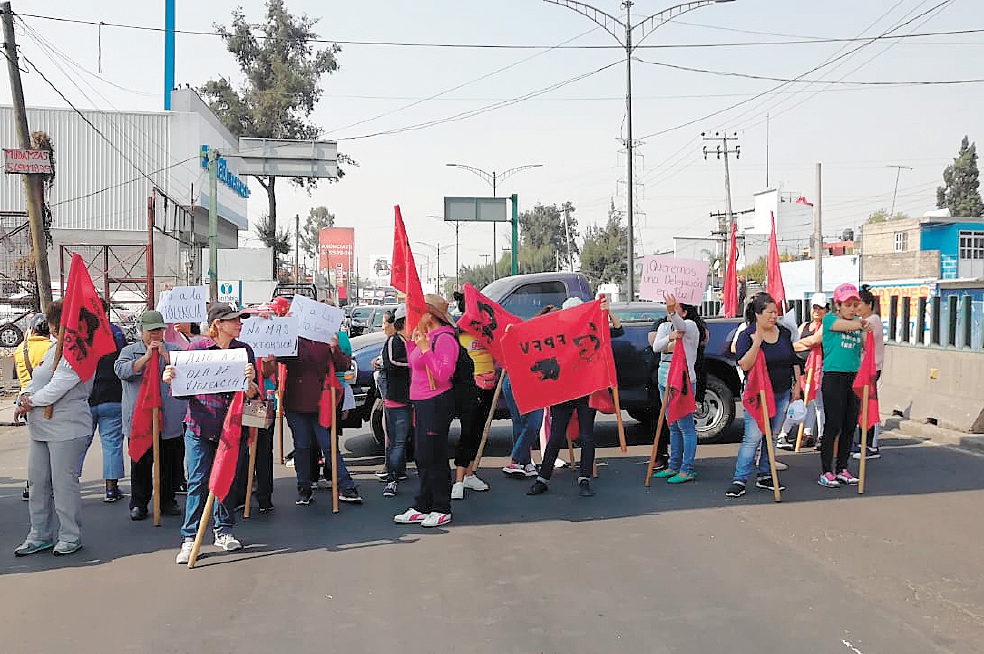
x=225, y=175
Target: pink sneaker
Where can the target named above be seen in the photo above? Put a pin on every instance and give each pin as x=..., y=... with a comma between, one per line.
x=845, y=477
x=827, y=479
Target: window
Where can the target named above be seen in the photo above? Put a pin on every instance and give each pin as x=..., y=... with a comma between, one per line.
x=901, y=241
x=970, y=254
x=527, y=300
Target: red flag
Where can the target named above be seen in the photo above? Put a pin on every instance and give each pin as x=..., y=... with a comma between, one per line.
x=148, y=399
x=757, y=379
x=868, y=376
x=679, y=392
x=326, y=410
x=227, y=453
x=773, y=276
x=403, y=273
x=731, y=278
x=485, y=320
x=802, y=200
x=560, y=356
x=85, y=331
x=814, y=364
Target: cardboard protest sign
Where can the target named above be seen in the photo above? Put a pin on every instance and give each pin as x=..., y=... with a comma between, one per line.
x=316, y=321
x=208, y=372
x=183, y=304
x=271, y=336
x=684, y=278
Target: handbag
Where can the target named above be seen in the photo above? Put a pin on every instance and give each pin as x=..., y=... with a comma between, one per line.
x=258, y=413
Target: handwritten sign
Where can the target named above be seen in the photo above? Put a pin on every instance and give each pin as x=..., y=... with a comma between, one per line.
x=208, y=372
x=276, y=336
x=684, y=278
x=183, y=304
x=316, y=321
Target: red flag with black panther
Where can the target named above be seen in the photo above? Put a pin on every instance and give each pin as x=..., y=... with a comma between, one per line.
x=679, y=392
x=85, y=334
x=148, y=399
x=227, y=452
x=756, y=380
x=868, y=376
x=485, y=320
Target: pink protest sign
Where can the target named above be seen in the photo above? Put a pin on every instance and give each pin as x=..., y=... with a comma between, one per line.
x=684, y=278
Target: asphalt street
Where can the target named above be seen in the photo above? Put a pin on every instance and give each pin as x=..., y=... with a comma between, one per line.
x=672, y=569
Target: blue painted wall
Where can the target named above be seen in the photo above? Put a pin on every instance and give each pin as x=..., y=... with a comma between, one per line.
x=945, y=237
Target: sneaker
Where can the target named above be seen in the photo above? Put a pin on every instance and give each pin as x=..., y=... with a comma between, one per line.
x=303, y=499
x=436, y=519
x=827, y=479
x=350, y=495
x=382, y=476
x=324, y=484
x=314, y=486
x=458, y=491
x=665, y=473
x=184, y=554
x=227, y=542
x=113, y=495
x=138, y=513
x=873, y=453
x=780, y=466
x=660, y=464
x=736, y=489
x=514, y=470
x=390, y=489
x=240, y=507
x=64, y=549
x=26, y=495
x=538, y=488
x=681, y=478
x=530, y=470
x=783, y=444
x=29, y=547
x=765, y=483
x=855, y=449
x=472, y=482
x=584, y=488
x=845, y=477
x=289, y=463
x=410, y=517
x=266, y=508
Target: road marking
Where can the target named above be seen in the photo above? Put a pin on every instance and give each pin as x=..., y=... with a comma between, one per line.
x=851, y=647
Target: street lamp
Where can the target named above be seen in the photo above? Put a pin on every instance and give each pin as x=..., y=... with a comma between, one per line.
x=646, y=27
x=437, y=249
x=493, y=178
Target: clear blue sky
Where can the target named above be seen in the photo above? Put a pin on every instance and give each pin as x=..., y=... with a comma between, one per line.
x=574, y=131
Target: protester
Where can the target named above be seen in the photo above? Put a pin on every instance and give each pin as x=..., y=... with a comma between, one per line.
x=810, y=340
x=432, y=364
x=28, y=356
x=130, y=367
x=56, y=445
x=397, y=412
x=841, y=360
x=263, y=465
x=867, y=312
x=204, y=421
x=774, y=341
x=560, y=417
x=474, y=403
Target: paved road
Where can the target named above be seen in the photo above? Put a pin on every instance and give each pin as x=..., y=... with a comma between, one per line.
x=679, y=569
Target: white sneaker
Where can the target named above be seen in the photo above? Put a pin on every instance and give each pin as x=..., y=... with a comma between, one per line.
x=514, y=470
x=436, y=519
x=185, y=554
x=530, y=470
x=227, y=542
x=472, y=482
x=409, y=517
x=781, y=466
x=458, y=491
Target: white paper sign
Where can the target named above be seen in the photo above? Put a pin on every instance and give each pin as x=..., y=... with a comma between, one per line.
x=207, y=372
x=684, y=278
x=316, y=321
x=276, y=336
x=183, y=304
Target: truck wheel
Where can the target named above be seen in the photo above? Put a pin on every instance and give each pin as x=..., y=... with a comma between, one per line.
x=716, y=412
x=376, y=423
x=10, y=335
x=644, y=416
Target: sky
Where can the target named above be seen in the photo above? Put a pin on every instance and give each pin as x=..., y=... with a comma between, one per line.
x=564, y=108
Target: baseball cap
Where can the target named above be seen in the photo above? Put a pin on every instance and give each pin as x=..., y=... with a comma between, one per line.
x=819, y=300
x=401, y=312
x=151, y=320
x=846, y=292
x=36, y=321
x=223, y=311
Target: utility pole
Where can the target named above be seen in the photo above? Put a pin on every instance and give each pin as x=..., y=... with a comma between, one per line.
x=722, y=151
x=630, y=154
x=213, y=226
x=818, y=234
x=33, y=189
x=898, y=173
x=567, y=232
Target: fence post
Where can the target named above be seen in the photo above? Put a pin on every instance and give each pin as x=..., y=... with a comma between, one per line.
x=906, y=333
x=893, y=318
x=921, y=321
x=965, y=318
x=951, y=321
x=934, y=322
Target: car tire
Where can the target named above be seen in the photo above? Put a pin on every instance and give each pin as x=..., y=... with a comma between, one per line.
x=645, y=416
x=376, y=427
x=716, y=412
x=10, y=335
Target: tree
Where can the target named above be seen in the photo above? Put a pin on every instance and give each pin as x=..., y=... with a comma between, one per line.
x=961, y=193
x=267, y=232
x=755, y=271
x=318, y=218
x=543, y=232
x=603, y=257
x=881, y=216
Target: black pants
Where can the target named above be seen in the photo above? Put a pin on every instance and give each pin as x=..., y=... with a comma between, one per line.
x=178, y=478
x=263, y=470
x=560, y=417
x=142, y=473
x=433, y=420
x=472, y=416
x=840, y=408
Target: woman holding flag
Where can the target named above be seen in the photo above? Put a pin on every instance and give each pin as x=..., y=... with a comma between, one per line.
x=809, y=349
x=868, y=314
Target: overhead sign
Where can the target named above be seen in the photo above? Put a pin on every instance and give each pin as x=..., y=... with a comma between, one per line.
x=488, y=210
x=225, y=175
x=288, y=158
x=684, y=278
x=183, y=304
x=208, y=372
x=271, y=336
x=316, y=321
x=36, y=162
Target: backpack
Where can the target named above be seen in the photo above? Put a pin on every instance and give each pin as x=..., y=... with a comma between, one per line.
x=463, y=386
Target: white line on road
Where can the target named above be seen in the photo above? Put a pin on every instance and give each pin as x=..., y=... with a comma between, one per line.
x=851, y=647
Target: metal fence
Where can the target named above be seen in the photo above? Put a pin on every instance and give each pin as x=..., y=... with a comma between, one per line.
x=953, y=321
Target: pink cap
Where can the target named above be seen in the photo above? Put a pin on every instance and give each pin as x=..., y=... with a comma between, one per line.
x=845, y=292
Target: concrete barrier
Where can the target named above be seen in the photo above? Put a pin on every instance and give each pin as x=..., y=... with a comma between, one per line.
x=934, y=383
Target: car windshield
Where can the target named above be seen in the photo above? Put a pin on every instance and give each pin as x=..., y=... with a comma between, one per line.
x=639, y=314
x=377, y=320
x=361, y=313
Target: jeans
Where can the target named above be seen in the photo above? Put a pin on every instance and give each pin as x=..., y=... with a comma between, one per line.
x=525, y=427
x=263, y=471
x=308, y=434
x=199, y=454
x=55, y=490
x=142, y=474
x=398, y=422
x=108, y=417
x=842, y=419
x=683, y=442
x=472, y=418
x=753, y=438
x=431, y=450
x=560, y=417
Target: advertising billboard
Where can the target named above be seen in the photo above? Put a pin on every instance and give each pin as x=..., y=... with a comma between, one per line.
x=336, y=247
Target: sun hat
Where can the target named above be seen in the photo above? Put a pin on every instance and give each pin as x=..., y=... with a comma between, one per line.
x=438, y=307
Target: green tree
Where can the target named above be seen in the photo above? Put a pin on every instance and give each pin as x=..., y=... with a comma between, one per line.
x=961, y=191
x=544, y=238
x=603, y=258
x=318, y=218
x=267, y=232
x=881, y=216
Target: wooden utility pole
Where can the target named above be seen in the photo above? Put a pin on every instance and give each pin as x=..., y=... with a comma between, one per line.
x=33, y=189
x=818, y=233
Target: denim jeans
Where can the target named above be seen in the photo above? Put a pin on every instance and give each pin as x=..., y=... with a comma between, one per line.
x=108, y=418
x=431, y=451
x=753, y=438
x=199, y=454
x=308, y=433
x=683, y=442
x=525, y=427
x=560, y=417
x=398, y=421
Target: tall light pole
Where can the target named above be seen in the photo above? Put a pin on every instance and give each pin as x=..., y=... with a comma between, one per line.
x=645, y=27
x=437, y=249
x=493, y=178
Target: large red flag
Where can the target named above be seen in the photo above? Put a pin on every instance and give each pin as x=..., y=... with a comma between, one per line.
x=403, y=273
x=773, y=276
x=757, y=379
x=227, y=453
x=85, y=331
x=814, y=364
x=560, y=356
x=485, y=320
x=148, y=399
x=679, y=392
x=326, y=410
x=868, y=376
x=731, y=277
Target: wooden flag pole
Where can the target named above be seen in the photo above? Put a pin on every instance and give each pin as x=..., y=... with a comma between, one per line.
x=249, y=471
x=280, y=425
x=864, y=436
x=334, y=452
x=488, y=422
x=659, y=428
x=799, y=434
x=618, y=419
x=157, y=466
x=202, y=524
x=769, y=446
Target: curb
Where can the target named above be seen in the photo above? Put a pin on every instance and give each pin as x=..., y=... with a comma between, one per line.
x=971, y=442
